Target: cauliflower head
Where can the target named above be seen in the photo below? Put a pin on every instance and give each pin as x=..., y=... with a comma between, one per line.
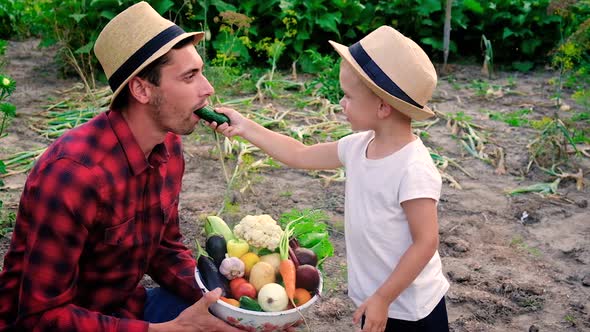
x=260, y=231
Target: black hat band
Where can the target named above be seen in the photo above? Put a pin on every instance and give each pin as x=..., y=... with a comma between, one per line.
x=377, y=75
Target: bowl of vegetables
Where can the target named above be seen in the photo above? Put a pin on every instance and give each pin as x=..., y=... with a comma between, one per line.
x=268, y=280
x=250, y=319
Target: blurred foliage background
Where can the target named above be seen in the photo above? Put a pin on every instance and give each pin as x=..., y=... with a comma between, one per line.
x=523, y=34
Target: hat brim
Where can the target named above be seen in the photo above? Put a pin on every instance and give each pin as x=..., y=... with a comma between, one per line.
x=409, y=110
x=198, y=36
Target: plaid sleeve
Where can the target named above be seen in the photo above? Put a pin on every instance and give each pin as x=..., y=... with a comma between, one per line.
x=60, y=201
x=173, y=265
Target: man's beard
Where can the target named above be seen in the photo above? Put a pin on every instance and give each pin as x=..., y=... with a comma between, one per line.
x=157, y=103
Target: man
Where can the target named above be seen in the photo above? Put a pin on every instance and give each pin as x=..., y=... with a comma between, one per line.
x=100, y=208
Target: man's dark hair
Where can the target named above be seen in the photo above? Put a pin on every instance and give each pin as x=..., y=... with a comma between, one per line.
x=151, y=73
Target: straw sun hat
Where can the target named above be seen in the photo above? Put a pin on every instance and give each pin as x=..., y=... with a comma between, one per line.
x=395, y=68
x=132, y=40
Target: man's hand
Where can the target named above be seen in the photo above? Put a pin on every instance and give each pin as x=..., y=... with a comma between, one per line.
x=197, y=318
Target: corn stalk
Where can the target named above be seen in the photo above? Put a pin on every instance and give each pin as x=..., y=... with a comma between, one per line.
x=447, y=33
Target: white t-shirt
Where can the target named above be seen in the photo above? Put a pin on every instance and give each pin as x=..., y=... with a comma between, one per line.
x=377, y=233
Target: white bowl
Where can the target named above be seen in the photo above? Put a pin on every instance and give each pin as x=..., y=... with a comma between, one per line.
x=256, y=321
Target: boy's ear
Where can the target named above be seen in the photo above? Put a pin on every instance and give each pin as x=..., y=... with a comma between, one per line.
x=384, y=110
x=140, y=89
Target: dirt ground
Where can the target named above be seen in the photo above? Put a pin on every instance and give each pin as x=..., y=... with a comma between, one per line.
x=507, y=272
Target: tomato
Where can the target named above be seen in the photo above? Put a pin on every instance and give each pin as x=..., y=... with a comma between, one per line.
x=234, y=283
x=245, y=289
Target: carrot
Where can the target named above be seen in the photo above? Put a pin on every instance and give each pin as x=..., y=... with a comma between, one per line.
x=287, y=267
x=287, y=270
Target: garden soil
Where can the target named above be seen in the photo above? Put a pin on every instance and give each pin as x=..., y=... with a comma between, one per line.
x=515, y=263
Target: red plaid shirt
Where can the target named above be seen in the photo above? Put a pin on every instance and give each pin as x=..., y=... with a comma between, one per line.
x=94, y=217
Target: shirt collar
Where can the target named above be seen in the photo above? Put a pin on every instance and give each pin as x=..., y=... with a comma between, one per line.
x=138, y=163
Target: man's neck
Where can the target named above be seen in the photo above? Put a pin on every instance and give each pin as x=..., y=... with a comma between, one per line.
x=143, y=128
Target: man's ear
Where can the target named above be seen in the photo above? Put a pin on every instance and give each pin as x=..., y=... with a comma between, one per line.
x=384, y=110
x=140, y=89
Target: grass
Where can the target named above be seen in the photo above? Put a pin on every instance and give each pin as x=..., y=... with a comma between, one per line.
x=286, y=194
x=516, y=118
x=570, y=319
x=7, y=220
x=518, y=242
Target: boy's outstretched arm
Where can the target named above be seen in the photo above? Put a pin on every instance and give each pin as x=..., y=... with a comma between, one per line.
x=423, y=221
x=283, y=148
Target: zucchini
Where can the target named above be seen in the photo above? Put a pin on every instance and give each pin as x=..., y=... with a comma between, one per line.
x=249, y=303
x=210, y=274
x=208, y=114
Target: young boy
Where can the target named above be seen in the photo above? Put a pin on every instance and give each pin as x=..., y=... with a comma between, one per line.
x=392, y=186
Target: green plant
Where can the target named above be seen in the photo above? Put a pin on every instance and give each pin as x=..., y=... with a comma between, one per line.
x=570, y=319
x=326, y=82
x=571, y=55
x=7, y=111
x=582, y=97
x=20, y=18
x=550, y=147
x=74, y=26
x=514, y=119
x=286, y=194
x=488, y=59
x=7, y=220
x=232, y=42
x=3, y=46
x=518, y=242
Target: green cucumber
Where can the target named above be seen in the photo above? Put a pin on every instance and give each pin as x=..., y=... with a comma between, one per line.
x=249, y=303
x=208, y=114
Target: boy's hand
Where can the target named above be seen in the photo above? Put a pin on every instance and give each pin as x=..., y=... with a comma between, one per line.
x=236, y=126
x=375, y=309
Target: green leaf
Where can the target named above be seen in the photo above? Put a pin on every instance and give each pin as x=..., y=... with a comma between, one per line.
x=78, y=17
x=523, y=66
x=47, y=41
x=2, y=171
x=310, y=231
x=108, y=14
x=309, y=240
x=507, y=33
x=436, y=43
x=86, y=49
x=530, y=45
x=8, y=109
x=105, y=3
x=473, y=6
x=330, y=22
x=323, y=249
x=428, y=7
x=162, y=6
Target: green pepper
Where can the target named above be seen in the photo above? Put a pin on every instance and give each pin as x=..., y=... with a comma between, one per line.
x=249, y=303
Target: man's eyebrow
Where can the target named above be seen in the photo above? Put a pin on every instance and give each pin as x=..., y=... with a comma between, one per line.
x=190, y=71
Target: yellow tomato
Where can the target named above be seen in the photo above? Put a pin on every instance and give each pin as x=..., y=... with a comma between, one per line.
x=249, y=260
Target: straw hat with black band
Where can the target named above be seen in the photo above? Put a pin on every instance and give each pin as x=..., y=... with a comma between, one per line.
x=132, y=40
x=395, y=68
